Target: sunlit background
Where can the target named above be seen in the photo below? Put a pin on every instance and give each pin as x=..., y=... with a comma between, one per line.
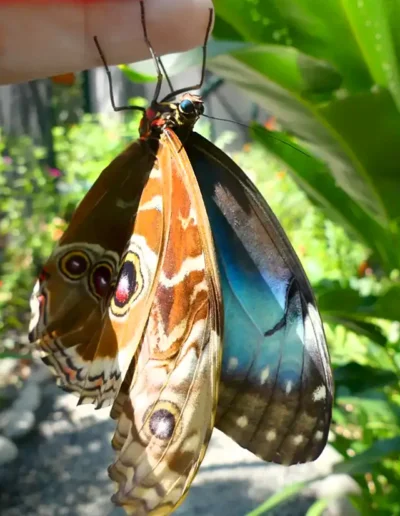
x=316, y=75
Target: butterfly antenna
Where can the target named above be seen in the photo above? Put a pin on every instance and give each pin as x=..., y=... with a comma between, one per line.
x=153, y=54
x=248, y=127
x=203, y=66
x=110, y=83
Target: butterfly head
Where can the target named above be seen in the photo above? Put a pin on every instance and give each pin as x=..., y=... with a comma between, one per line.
x=189, y=108
x=180, y=115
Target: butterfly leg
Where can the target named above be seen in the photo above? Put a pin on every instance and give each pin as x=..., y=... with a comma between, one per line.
x=156, y=63
x=110, y=84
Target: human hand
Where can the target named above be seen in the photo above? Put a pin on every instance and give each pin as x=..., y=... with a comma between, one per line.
x=42, y=38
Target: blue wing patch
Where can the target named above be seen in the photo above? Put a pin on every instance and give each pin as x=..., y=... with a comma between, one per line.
x=276, y=383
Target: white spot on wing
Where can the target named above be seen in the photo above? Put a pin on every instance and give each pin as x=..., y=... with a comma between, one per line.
x=270, y=435
x=154, y=204
x=120, y=203
x=188, y=220
x=233, y=363
x=123, y=284
x=242, y=421
x=319, y=435
x=297, y=439
x=162, y=426
x=289, y=386
x=319, y=393
x=264, y=375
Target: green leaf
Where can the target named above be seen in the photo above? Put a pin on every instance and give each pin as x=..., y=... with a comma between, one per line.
x=363, y=462
x=359, y=119
x=367, y=329
x=10, y=354
x=358, y=378
x=379, y=410
x=319, y=29
x=370, y=23
x=313, y=176
x=318, y=507
x=282, y=496
x=303, y=119
x=295, y=71
x=362, y=48
x=176, y=63
x=346, y=303
x=387, y=305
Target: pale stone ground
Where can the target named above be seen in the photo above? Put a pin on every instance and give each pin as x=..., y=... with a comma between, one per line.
x=61, y=470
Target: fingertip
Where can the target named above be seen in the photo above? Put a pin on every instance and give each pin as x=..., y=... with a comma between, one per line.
x=53, y=37
x=172, y=26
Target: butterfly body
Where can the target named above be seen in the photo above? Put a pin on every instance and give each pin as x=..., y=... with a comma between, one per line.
x=194, y=245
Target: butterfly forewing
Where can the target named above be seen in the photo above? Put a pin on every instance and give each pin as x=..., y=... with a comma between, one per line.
x=276, y=385
x=166, y=418
x=131, y=298
x=71, y=321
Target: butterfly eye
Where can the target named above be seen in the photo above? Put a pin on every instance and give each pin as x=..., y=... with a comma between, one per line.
x=187, y=107
x=160, y=420
x=100, y=279
x=74, y=265
x=129, y=285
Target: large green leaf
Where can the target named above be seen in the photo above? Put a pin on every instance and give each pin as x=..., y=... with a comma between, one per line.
x=145, y=71
x=312, y=175
x=292, y=69
x=370, y=23
x=303, y=119
x=355, y=133
x=369, y=123
x=387, y=306
x=319, y=29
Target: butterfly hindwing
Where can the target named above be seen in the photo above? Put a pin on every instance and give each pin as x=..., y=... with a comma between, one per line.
x=166, y=414
x=276, y=385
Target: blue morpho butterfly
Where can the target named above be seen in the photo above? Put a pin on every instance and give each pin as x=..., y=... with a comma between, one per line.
x=172, y=240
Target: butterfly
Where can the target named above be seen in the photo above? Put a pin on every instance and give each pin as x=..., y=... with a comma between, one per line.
x=176, y=297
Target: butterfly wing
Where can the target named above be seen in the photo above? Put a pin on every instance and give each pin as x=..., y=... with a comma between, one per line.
x=276, y=383
x=166, y=414
x=80, y=338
